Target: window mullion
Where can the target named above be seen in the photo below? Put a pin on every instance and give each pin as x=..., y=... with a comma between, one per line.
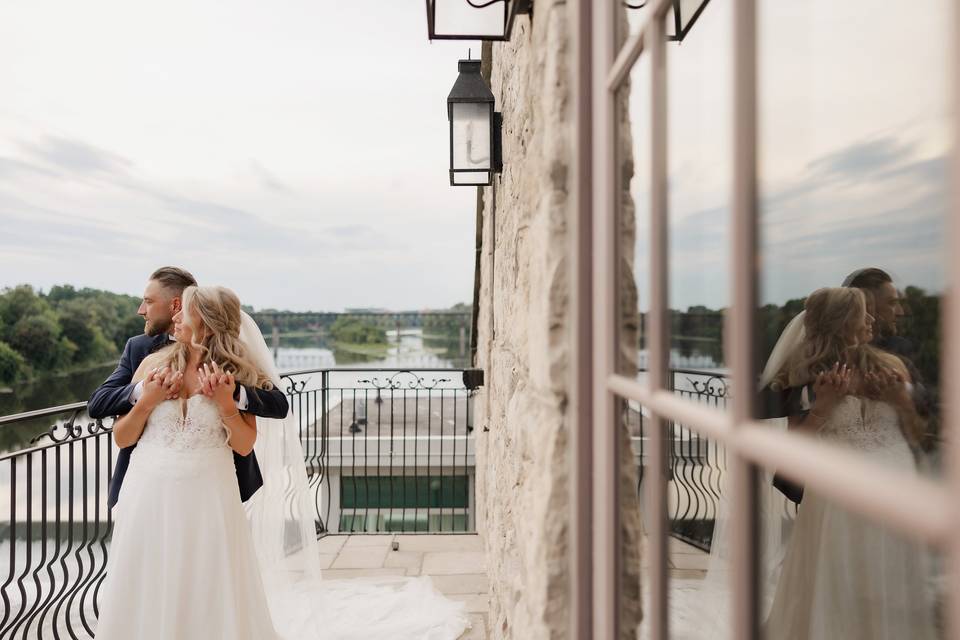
x=659, y=329
x=740, y=335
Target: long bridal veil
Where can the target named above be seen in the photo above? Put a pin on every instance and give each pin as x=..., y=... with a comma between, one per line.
x=702, y=608
x=282, y=520
x=281, y=512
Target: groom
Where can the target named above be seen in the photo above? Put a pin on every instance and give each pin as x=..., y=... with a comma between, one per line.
x=162, y=299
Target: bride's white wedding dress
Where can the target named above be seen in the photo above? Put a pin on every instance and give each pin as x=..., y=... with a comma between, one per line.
x=182, y=563
x=843, y=576
x=832, y=575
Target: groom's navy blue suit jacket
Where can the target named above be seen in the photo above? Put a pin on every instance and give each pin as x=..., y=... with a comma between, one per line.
x=112, y=398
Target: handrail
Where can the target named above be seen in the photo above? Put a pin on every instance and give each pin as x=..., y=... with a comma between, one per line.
x=40, y=413
x=79, y=406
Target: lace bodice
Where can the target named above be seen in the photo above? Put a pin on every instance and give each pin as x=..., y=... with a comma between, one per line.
x=865, y=424
x=186, y=425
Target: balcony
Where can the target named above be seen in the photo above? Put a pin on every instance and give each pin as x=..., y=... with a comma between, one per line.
x=390, y=461
x=389, y=458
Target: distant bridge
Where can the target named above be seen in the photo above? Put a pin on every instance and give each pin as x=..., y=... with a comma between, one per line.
x=406, y=318
x=319, y=321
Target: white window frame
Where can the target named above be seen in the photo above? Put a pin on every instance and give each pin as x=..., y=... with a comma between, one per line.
x=917, y=508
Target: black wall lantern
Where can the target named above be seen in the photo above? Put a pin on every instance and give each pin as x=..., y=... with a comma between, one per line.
x=473, y=19
x=474, y=129
x=680, y=18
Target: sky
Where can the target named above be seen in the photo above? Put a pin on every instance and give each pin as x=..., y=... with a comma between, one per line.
x=295, y=151
x=854, y=136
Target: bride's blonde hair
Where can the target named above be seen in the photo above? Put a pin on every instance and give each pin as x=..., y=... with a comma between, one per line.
x=213, y=313
x=832, y=316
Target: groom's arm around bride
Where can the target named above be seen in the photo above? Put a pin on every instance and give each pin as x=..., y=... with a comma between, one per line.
x=117, y=395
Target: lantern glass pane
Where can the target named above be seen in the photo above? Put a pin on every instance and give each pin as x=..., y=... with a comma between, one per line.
x=457, y=17
x=471, y=177
x=471, y=135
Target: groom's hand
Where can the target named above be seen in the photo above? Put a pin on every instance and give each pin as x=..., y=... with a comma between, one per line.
x=171, y=382
x=153, y=388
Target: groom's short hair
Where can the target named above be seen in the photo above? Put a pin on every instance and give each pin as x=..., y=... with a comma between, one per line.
x=174, y=279
x=869, y=278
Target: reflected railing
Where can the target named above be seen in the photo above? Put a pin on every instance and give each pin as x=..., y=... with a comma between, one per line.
x=696, y=465
x=386, y=450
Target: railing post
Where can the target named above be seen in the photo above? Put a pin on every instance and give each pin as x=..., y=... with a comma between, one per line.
x=671, y=429
x=275, y=338
x=324, y=434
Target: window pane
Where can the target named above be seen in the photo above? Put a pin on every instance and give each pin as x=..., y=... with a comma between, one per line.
x=699, y=178
x=831, y=573
x=855, y=135
x=633, y=170
x=698, y=512
x=398, y=492
x=639, y=457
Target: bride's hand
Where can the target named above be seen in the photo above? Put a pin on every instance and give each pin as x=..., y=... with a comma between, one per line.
x=887, y=385
x=218, y=385
x=829, y=387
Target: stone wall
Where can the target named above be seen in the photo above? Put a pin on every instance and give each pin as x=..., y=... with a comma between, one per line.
x=523, y=495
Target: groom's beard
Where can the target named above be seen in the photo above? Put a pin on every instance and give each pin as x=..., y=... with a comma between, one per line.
x=156, y=328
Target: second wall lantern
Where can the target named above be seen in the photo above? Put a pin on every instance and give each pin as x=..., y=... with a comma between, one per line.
x=475, y=129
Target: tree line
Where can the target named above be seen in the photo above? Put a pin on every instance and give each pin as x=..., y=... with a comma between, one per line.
x=63, y=329
x=699, y=330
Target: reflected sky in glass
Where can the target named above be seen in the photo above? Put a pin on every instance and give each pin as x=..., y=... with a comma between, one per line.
x=854, y=139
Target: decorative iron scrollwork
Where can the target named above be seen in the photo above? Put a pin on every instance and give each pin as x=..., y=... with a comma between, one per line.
x=713, y=386
x=294, y=387
x=72, y=429
x=404, y=380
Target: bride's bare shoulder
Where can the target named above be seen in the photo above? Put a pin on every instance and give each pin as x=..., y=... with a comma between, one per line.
x=151, y=362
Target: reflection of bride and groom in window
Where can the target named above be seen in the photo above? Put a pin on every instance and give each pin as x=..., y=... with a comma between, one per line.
x=842, y=373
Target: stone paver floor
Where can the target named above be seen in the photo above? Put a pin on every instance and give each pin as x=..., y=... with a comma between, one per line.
x=685, y=561
x=454, y=562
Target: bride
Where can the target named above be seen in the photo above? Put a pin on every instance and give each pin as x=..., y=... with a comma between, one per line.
x=184, y=561
x=842, y=576
x=828, y=574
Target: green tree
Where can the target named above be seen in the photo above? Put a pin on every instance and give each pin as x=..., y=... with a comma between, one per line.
x=82, y=326
x=921, y=326
x=12, y=364
x=356, y=331
x=38, y=339
x=65, y=327
x=18, y=303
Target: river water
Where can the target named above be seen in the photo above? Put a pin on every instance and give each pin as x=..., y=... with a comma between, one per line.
x=410, y=351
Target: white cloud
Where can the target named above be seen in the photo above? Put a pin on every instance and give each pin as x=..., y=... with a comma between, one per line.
x=295, y=151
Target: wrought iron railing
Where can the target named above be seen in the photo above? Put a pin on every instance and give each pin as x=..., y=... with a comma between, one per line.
x=57, y=525
x=386, y=450
x=696, y=465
